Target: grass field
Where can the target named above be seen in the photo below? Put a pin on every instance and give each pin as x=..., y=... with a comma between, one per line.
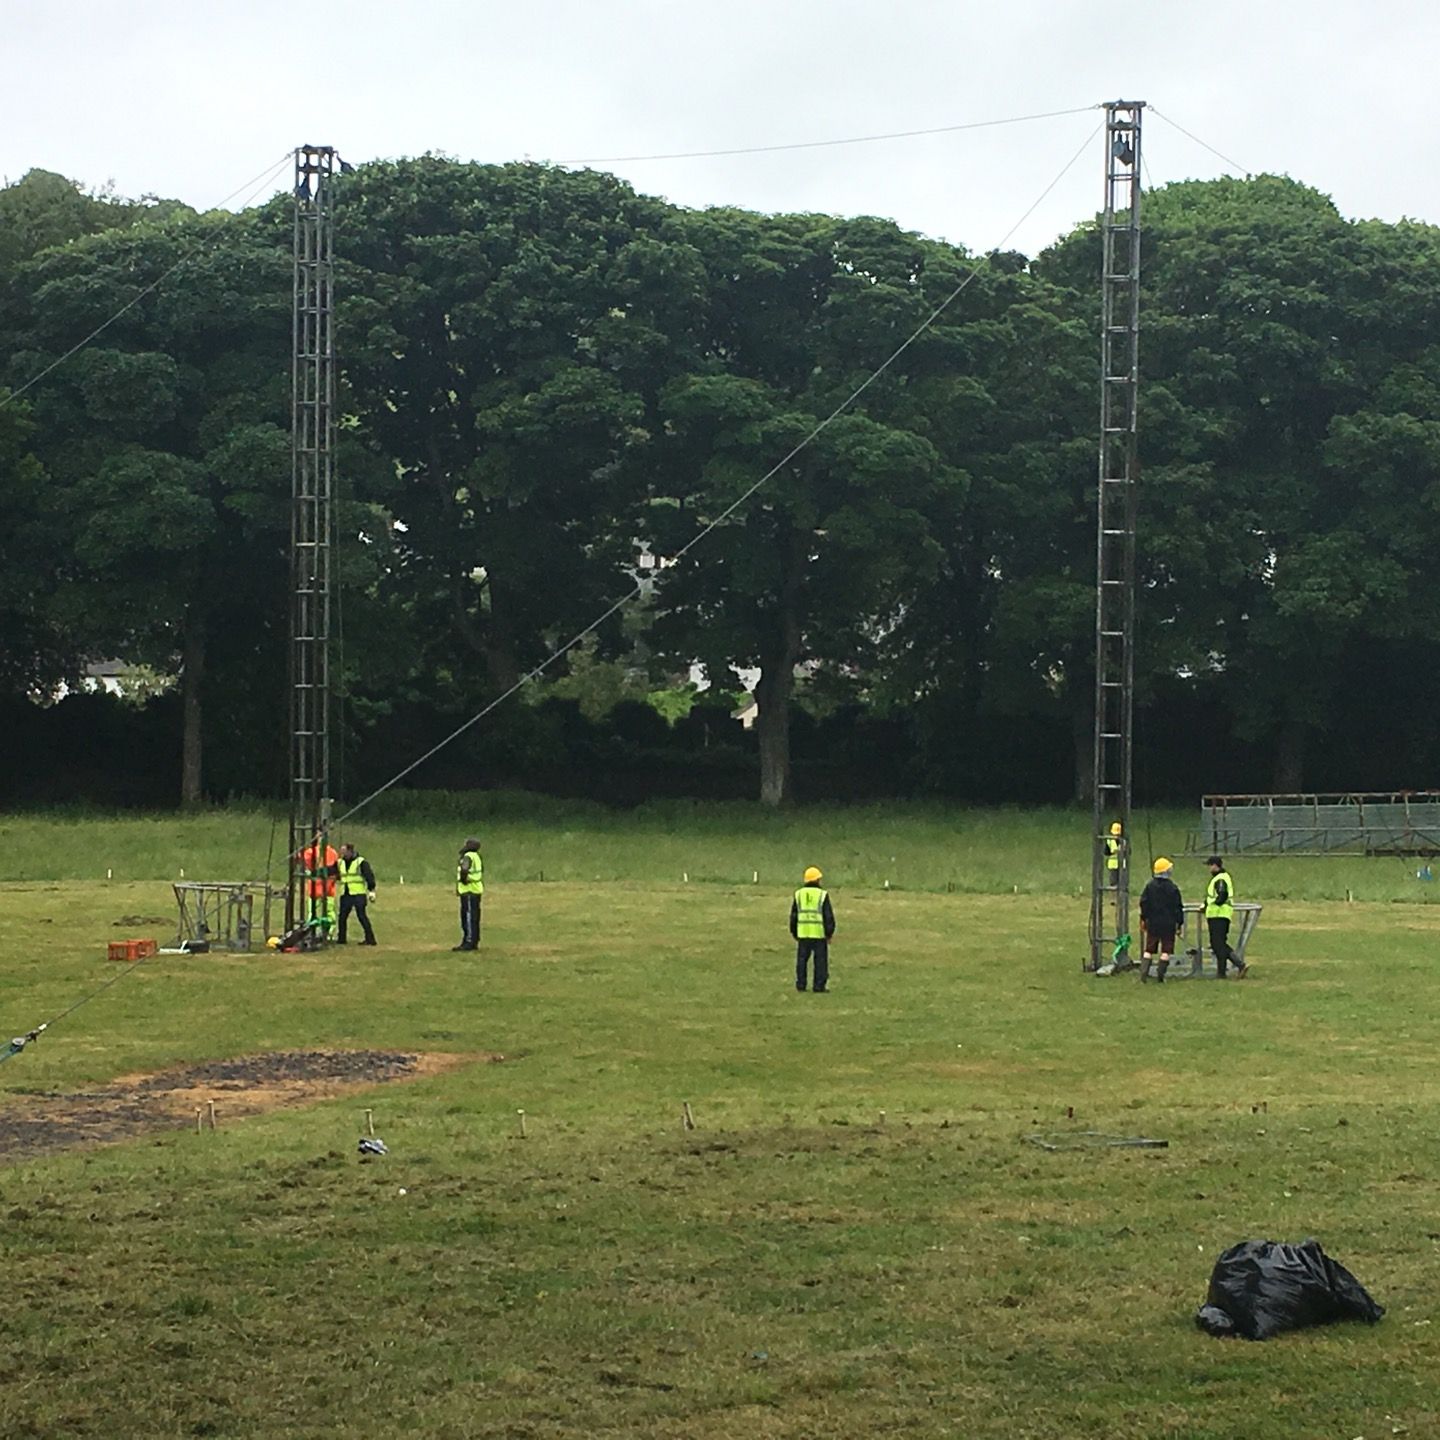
x=796, y=1266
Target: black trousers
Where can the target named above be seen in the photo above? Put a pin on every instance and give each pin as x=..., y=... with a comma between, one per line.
x=359, y=904
x=1220, y=941
x=820, y=949
x=470, y=920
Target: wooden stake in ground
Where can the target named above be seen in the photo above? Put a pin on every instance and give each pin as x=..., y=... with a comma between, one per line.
x=370, y=1122
x=199, y=1112
x=523, y=1131
x=211, y=1103
x=687, y=1118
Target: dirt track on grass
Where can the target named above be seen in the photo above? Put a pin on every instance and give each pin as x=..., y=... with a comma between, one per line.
x=136, y=1105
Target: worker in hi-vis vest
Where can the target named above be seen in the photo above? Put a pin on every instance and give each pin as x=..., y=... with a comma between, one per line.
x=469, y=886
x=1114, y=848
x=321, y=868
x=812, y=923
x=1219, y=912
x=357, y=890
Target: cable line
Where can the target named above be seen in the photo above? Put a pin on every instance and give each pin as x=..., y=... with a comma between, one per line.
x=154, y=285
x=15, y=1046
x=1175, y=125
x=824, y=144
x=638, y=588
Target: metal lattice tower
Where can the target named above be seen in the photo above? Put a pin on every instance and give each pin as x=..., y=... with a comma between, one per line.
x=312, y=515
x=1115, y=528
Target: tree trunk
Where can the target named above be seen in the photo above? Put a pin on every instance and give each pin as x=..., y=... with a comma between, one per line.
x=776, y=684
x=772, y=726
x=1290, y=758
x=192, y=678
x=492, y=641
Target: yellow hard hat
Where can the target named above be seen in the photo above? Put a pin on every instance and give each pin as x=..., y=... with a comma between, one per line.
x=812, y=875
x=1163, y=866
x=273, y=943
x=1117, y=828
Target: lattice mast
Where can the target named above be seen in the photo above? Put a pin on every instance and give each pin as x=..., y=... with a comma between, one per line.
x=311, y=516
x=1115, y=528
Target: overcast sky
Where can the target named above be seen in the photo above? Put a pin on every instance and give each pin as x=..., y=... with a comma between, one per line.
x=194, y=98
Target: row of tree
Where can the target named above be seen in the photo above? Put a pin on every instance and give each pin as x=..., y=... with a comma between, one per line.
x=545, y=373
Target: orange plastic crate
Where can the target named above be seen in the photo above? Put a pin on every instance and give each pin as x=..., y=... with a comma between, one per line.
x=132, y=949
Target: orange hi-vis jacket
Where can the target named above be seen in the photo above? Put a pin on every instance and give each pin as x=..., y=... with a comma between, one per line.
x=322, y=879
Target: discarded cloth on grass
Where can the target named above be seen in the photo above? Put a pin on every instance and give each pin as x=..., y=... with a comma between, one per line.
x=1261, y=1288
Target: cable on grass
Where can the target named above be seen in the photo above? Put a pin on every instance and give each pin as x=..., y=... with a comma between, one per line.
x=1093, y=1140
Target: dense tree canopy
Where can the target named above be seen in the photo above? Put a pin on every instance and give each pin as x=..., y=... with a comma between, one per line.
x=545, y=374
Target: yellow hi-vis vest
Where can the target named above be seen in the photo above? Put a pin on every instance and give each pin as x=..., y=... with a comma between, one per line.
x=1214, y=910
x=475, y=885
x=809, y=913
x=1112, y=849
x=352, y=882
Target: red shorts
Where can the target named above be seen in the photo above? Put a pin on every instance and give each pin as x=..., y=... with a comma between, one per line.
x=1158, y=942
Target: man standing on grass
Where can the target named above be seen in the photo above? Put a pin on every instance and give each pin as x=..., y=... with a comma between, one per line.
x=470, y=887
x=812, y=924
x=321, y=868
x=1219, y=912
x=1162, y=914
x=357, y=890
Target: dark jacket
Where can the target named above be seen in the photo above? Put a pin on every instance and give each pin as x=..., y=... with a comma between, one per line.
x=1161, y=906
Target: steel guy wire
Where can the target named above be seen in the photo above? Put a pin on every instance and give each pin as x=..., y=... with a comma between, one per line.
x=1176, y=125
x=639, y=586
x=825, y=144
x=252, y=185
x=16, y=1045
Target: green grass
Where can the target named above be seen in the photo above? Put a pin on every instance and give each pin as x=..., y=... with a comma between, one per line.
x=792, y=1268
x=525, y=837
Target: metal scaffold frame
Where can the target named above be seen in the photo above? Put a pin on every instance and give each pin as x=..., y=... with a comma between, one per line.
x=1115, y=533
x=1371, y=822
x=312, y=520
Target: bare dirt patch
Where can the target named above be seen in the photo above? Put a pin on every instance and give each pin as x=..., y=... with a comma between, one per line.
x=137, y=1105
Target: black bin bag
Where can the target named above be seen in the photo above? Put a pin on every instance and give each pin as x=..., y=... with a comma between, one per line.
x=1261, y=1288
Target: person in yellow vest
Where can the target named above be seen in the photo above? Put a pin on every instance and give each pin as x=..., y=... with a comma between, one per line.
x=812, y=924
x=357, y=890
x=1219, y=912
x=470, y=887
x=1114, y=847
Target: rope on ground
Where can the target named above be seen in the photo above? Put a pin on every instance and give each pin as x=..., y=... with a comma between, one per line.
x=639, y=587
x=1093, y=1140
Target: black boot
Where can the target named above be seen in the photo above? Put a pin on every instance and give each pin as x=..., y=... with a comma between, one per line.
x=1160, y=970
x=1145, y=970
